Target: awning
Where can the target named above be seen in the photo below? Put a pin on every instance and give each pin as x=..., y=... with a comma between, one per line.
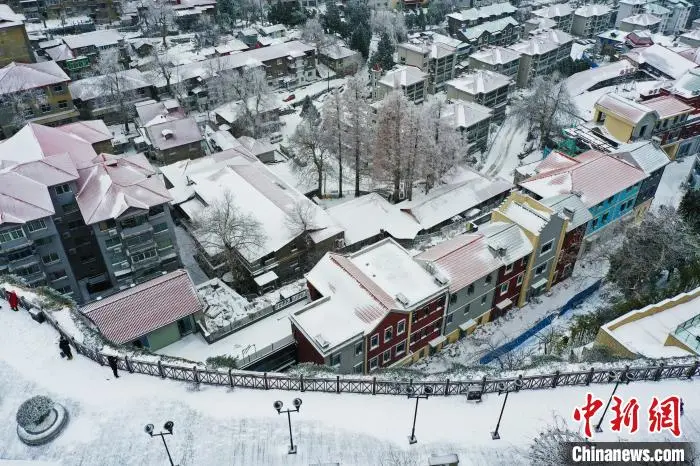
x=264, y=279
x=504, y=304
x=467, y=325
x=539, y=283
x=436, y=341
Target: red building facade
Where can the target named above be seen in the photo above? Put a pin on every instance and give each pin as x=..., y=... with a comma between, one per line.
x=509, y=282
x=426, y=324
x=569, y=253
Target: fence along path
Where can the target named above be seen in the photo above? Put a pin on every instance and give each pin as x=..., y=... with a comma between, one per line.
x=374, y=385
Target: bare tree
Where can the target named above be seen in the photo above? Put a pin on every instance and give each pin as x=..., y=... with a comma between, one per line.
x=301, y=222
x=332, y=129
x=391, y=23
x=311, y=157
x=389, y=142
x=356, y=124
x=547, y=338
x=207, y=32
x=549, y=447
x=113, y=84
x=223, y=228
x=159, y=16
x=445, y=149
x=547, y=108
x=19, y=105
x=313, y=33
x=160, y=68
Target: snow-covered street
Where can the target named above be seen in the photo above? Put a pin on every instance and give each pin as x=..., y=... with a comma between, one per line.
x=218, y=426
x=502, y=157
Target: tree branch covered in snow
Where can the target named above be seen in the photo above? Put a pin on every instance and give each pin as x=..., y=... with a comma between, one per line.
x=357, y=127
x=332, y=130
x=391, y=23
x=311, y=159
x=114, y=84
x=549, y=448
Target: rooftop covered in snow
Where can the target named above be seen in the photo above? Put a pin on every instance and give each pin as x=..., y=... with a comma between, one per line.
x=474, y=14
x=662, y=59
x=101, y=38
x=490, y=27
x=96, y=86
x=592, y=10
x=92, y=131
x=17, y=77
x=480, y=82
x=173, y=133
x=495, y=55
x=403, y=76
x=543, y=42
x=8, y=18
x=645, y=155
x=571, y=207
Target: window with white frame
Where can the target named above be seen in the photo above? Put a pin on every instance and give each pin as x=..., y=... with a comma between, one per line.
x=35, y=225
x=373, y=363
x=520, y=279
x=509, y=268
x=62, y=188
x=358, y=348
x=388, y=334
x=335, y=359
x=10, y=235
x=142, y=256
x=400, y=348
x=357, y=369
x=504, y=287
x=546, y=247
x=50, y=258
x=386, y=357
x=374, y=341
x=539, y=270
x=401, y=327
x=448, y=319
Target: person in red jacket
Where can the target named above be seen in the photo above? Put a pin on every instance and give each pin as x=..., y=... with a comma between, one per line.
x=13, y=299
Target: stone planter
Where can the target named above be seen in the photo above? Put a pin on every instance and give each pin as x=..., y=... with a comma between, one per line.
x=40, y=420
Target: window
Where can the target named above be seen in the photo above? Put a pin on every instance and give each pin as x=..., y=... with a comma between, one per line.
x=483, y=299
x=606, y=215
x=87, y=259
x=540, y=269
x=523, y=261
x=358, y=348
x=35, y=225
x=57, y=275
x=470, y=289
x=63, y=104
x=546, y=247
x=388, y=334
x=489, y=277
x=62, y=188
x=110, y=242
x=50, y=258
x=335, y=359
x=357, y=369
x=9, y=235
x=70, y=207
x=156, y=210
x=374, y=342
x=74, y=224
x=504, y=288
x=107, y=224
x=401, y=327
x=373, y=363
x=45, y=108
x=42, y=241
x=160, y=227
x=400, y=348
x=142, y=256
x=520, y=279
x=15, y=256
x=466, y=308
x=386, y=357
x=133, y=221
x=453, y=298
x=448, y=319
x=509, y=268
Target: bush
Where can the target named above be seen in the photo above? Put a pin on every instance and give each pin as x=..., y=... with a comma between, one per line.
x=600, y=354
x=34, y=411
x=222, y=361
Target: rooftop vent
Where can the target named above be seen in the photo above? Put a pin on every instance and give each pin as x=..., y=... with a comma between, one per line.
x=569, y=213
x=441, y=279
x=167, y=133
x=322, y=341
x=402, y=299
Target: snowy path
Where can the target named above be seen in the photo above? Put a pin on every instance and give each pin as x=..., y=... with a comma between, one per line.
x=502, y=156
x=187, y=251
x=218, y=426
x=670, y=192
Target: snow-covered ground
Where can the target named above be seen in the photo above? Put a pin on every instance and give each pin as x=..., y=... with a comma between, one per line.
x=502, y=157
x=219, y=426
x=584, y=102
x=670, y=191
x=185, y=244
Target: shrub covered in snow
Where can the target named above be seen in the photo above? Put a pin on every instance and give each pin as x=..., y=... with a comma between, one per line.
x=549, y=449
x=34, y=411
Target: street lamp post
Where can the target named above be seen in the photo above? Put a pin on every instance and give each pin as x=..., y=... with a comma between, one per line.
x=622, y=377
x=503, y=387
x=278, y=406
x=427, y=391
x=168, y=426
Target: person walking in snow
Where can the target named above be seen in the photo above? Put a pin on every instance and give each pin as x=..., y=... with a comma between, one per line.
x=13, y=299
x=65, y=347
x=112, y=361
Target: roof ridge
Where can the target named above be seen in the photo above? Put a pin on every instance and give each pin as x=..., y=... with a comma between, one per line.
x=335, y=258
x=131, y=291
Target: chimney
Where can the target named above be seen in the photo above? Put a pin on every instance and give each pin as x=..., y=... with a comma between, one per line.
x=569, y=213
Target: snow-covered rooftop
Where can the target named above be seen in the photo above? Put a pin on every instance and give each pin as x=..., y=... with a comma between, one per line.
x=100, y=38
x=491, y=27
x=541, y=43
x=580, y=82
x=125, y=316
x=668, y=106
x=462, y=114
x=495, y=55
x=60, y=53
x=554, y=11
x=151, y=112
x=644, y=20
x=446, y=201
x=173, y=133
x=593, y=175
x=621, y=107
x=16, y=77
x=525, y=215
x=592, y=10
x=688, y=85
x=666, y=61
x=646, y=155
x=369, y=215
x=569, y=206
x=403, y=76
x=96, y=86
x=473, y=14
x=644, y=331
x=8, y=18
x=480, y=82
x=337, y=52
x=92, y=131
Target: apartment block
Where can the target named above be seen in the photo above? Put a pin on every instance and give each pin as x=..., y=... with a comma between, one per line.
x=36, y=92
x=85, y=224
x=411, y=81
x=562, y=14
x=14, y=42
x=478, y=15
x=590, y=20
x=487, y=88
x=541, y=54
x=497, y=59
x=472, y=121
x=503, y=31
x=437, y=55
x=102, y=11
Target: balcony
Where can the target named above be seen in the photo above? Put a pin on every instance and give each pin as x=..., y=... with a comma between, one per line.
x=146, y=263
x=145, y=227
x=35, y=278
x=22, y=263
x=138, y=247
x=15, y=245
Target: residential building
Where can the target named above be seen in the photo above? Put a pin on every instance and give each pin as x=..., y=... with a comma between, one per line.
x=93, y=131
x=104, y=97
x=503, y=32
x=570, y=207
x=545, y=229
x=478, y=15
x=104, y=11
x=562, y=14
x=75, y=66
x=645, y=21
x=472, y=121
x=497, y=59
x=627, y=8
x=15, y=42
x=174, y=140
x=541, y=54
x=294, y=232
x=660, y=62
x=680, y=13
x=124, y=319
x=484, y=271
x=667, y=329
x=340, y=59
x=90, y=44
x=275, y=31
x=610, y=74
x=36, y=92
x=372, y=309
x=233, y=114
x=487, y=88
x=536, y=25
x=661, y=12
x=607, y=185
x=439, y=56
x=590, y=20
x=411, y=81
x=104, y=219
x=692, y=38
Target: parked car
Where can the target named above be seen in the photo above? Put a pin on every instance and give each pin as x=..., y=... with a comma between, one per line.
x=289, y=98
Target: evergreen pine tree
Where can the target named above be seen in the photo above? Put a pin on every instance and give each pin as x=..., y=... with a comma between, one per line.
x=690, y=209
x=331, y=19
x=384, y=56
x=360, y=40
x=309, y=112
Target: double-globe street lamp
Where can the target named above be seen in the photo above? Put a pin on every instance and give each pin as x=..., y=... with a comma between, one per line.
x=412, y=393
x=168, y=426
x=278, y=406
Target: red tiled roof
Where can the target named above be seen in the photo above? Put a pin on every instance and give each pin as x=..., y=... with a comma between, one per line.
x=130, y=314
